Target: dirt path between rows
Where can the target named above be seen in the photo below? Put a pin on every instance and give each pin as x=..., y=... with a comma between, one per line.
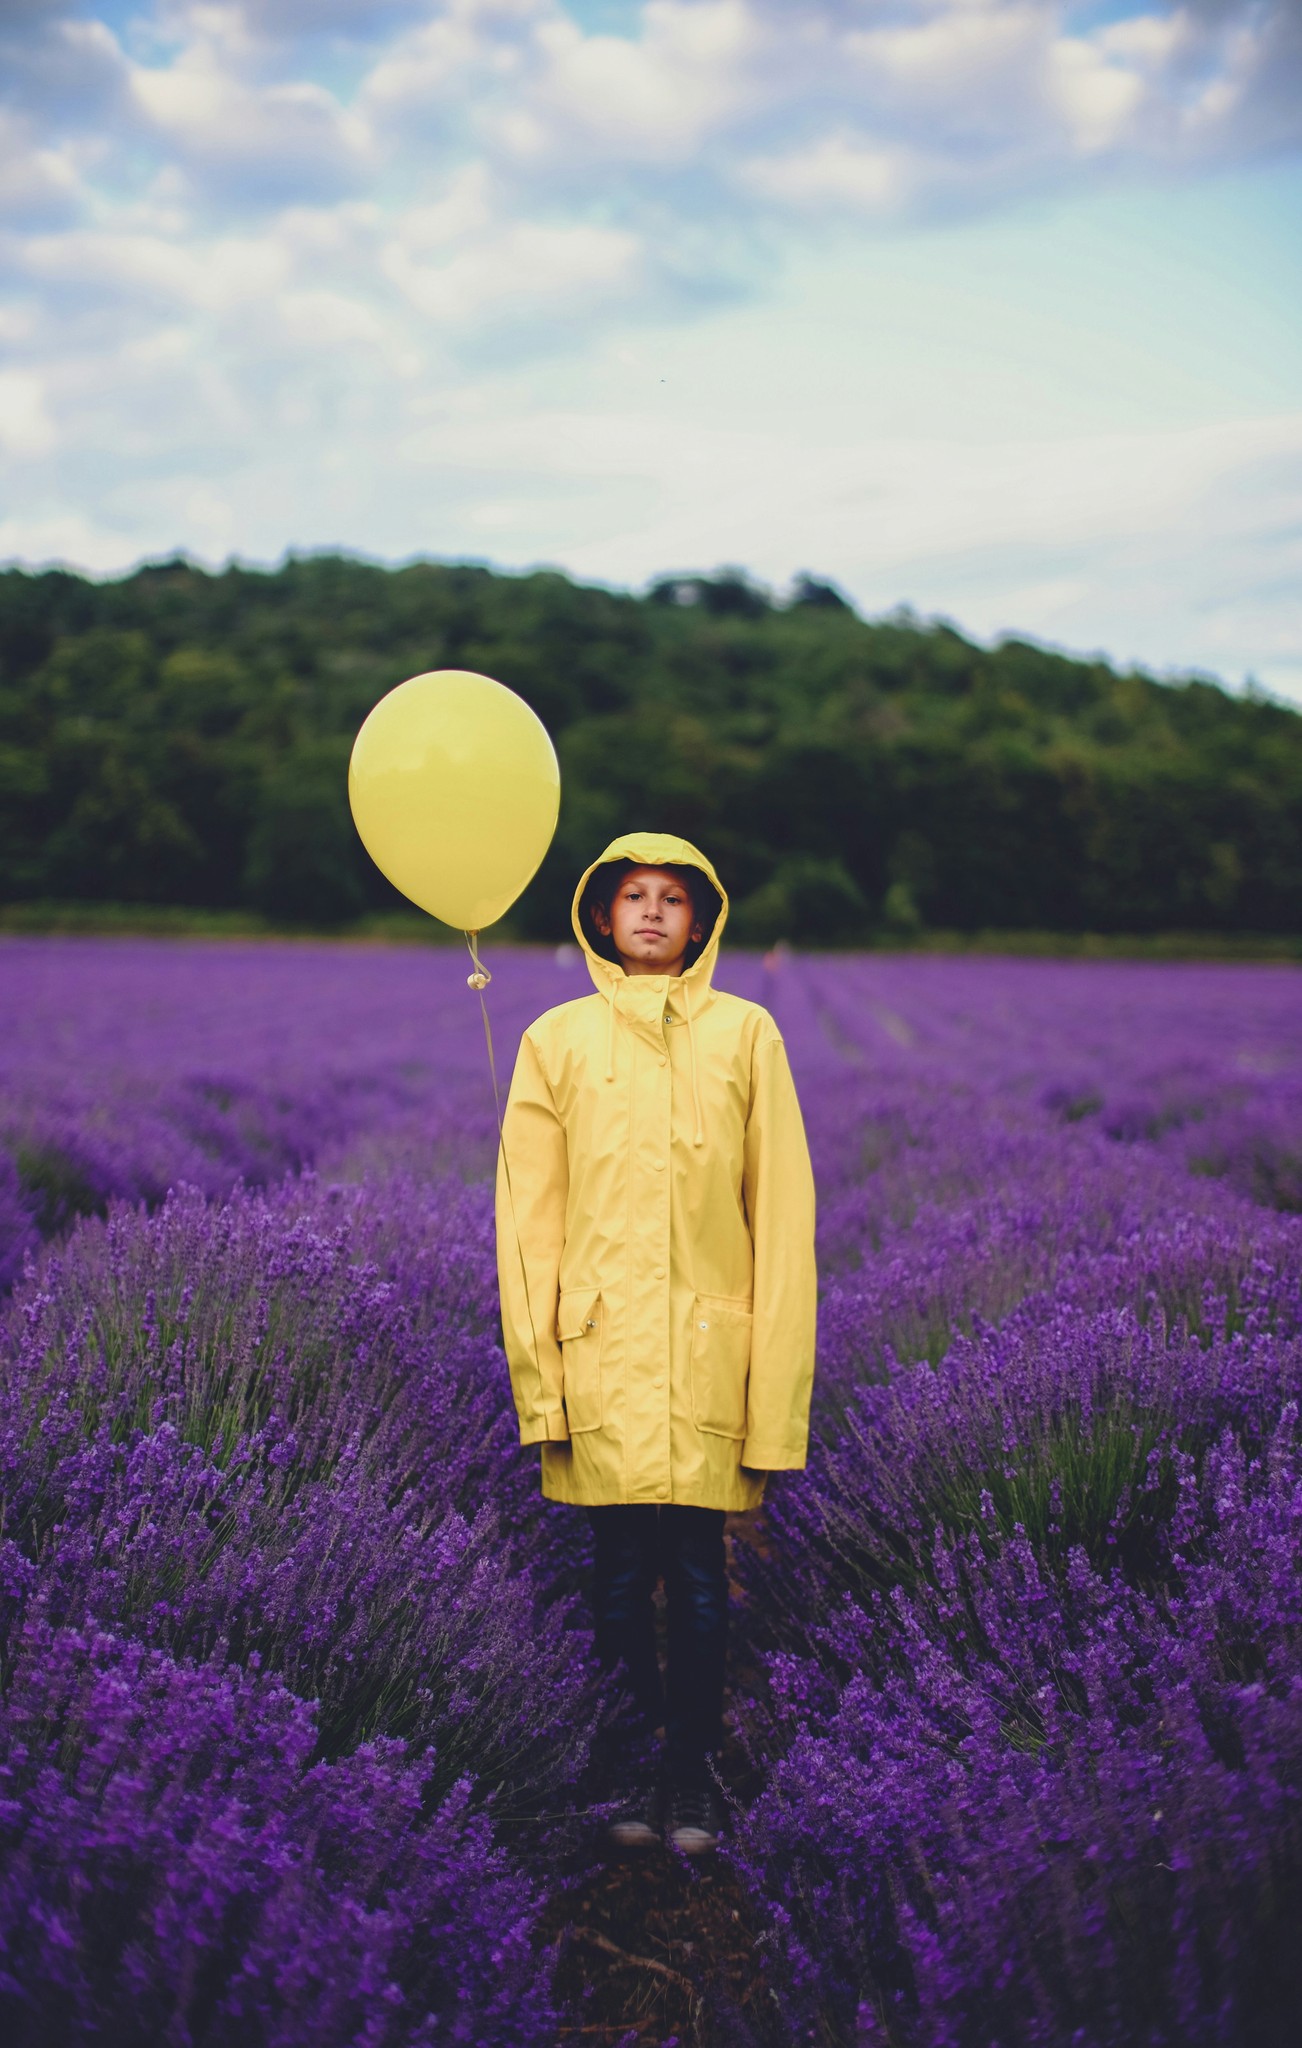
x=656, y=1949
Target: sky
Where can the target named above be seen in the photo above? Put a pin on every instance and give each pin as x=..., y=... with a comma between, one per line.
x=992, y=308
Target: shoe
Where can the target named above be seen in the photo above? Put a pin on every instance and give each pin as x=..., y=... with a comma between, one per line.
x=636, y=1823
x=695, y=1821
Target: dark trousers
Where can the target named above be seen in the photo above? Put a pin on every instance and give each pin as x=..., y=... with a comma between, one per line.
x=634, y=1545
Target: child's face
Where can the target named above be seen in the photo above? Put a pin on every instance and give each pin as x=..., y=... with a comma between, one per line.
x=651, y=921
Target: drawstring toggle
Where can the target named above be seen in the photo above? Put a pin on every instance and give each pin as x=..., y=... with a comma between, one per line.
x=480, y=977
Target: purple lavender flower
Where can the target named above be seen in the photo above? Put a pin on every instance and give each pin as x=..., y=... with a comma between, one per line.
x=294, y=1659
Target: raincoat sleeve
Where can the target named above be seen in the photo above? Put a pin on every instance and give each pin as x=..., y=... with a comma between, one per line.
x=778, y=1186
x=532, y=1186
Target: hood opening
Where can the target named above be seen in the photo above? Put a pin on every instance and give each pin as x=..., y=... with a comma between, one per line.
x=604, y=879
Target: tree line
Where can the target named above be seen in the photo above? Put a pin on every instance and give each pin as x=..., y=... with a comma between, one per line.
x=182, y=737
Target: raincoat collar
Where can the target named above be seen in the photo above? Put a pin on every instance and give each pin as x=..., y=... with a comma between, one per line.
x=654, y=849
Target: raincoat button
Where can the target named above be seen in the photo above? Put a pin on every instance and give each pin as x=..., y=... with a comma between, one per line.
x=705, y=1326
x=660, y=1272
x=659, y=1380
x=660, y=1165
x=664, y=1060
x=662, y=1489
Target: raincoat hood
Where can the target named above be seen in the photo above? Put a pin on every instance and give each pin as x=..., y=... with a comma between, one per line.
x=692, y=986
x=652, y=850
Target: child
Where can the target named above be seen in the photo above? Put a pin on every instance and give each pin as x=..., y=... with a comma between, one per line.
x=655, y=1246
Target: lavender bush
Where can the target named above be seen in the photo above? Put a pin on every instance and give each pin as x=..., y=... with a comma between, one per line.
x=253, y=1441
x=269, y=1597
x=181, y=1865
x=130, y=1065
x=17, y=1223
x=1034, y=1718
x=295, y=1667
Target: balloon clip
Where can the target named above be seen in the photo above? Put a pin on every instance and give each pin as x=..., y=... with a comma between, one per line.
x=481, y=977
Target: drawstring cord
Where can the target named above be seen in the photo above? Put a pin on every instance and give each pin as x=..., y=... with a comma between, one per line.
x=478, y=979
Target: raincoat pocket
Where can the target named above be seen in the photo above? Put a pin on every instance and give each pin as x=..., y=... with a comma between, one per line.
x=578, y=1327
x=720, y=1364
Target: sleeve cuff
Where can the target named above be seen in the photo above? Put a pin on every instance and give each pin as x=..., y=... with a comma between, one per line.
x=541, y=1429
x=762, y=1457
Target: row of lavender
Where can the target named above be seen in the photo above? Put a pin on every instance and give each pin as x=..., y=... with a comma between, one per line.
x=298, y=1692
x=287, y=1665
x=128, y=1067
x=1034, y=1616
x=294, y=1668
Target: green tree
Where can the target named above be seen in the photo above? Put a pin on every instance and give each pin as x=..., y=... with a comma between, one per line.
x=304, y=857
x=176, y=736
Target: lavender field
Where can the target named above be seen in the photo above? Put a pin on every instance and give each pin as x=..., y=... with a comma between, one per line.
x=302, y=1729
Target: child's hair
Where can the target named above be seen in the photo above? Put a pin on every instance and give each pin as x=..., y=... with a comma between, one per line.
x=605, y=880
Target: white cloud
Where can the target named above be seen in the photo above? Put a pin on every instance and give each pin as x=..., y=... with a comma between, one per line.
x=838, y=171
x=1145, y=38
x=38, y=186
x=466, y=46
x=1099, y=100
x=147, y=270
x=25, y=427
x=523, y=270
x=270, y=142
x=251, y=102
x=61, y=70
x=948, y=51
x=697, y=66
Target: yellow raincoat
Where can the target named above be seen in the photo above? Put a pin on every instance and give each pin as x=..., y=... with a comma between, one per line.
x=656, y=1190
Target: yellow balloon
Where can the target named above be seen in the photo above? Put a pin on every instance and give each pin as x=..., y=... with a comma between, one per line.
x=455, y=790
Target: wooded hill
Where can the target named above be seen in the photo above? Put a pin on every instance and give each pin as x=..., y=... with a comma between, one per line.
x=177, y=737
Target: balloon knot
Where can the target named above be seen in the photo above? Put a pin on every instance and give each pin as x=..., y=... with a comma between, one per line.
x=477, y=980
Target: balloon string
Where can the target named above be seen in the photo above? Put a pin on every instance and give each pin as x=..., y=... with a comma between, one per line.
x=479, y=981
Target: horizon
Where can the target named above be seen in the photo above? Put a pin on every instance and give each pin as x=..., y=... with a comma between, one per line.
x=779, y=599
